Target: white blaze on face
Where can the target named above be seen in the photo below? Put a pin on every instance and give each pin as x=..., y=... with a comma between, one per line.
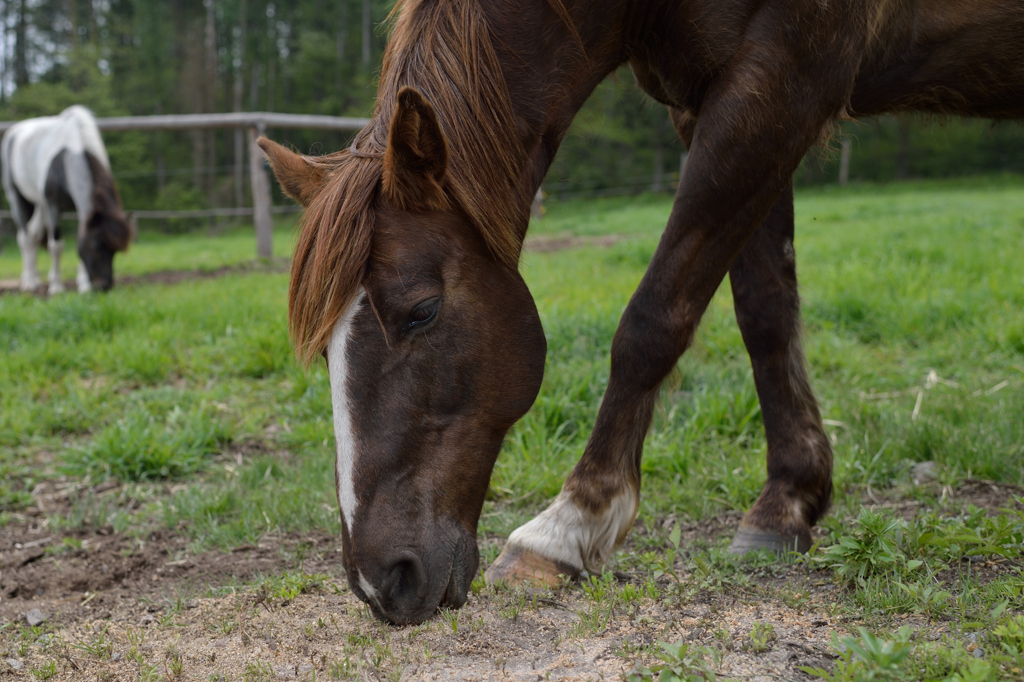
x=337, y=367
x=369, y=590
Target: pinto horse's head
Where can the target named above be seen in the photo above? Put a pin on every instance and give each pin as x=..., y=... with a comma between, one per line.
x=433, y=346
x=107, y=231
x=105, y=234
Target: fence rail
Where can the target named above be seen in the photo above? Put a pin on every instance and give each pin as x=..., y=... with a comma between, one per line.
x=240, y=212
x=257, y=123
x=261, y=120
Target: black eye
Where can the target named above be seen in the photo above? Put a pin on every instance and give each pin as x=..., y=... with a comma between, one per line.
x=422, y=314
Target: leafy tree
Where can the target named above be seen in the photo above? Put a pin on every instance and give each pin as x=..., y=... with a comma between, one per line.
x=144, y=57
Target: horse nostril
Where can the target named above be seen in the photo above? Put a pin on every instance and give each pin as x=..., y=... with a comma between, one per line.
x=406, y=583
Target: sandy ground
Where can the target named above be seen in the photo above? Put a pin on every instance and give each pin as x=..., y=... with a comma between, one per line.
x=125, y=608
x=329, y=634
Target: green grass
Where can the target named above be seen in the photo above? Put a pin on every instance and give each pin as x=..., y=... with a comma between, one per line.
x=154, y=252
x=899, y=283
x=913, y=304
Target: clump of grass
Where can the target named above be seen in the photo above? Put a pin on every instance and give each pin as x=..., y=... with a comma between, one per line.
x=761, y=637
x=867, y=658
x=680, y=662
x=46, y=671
x=258, y=671
x=141, y=447
x=288, y=586
x=879, y=543
x=873, y=546
x=451, y=618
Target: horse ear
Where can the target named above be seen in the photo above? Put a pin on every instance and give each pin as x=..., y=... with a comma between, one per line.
x=417, y=155
x=298, y=178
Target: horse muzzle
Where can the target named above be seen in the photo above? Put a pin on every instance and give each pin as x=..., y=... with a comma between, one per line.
x=408, y=586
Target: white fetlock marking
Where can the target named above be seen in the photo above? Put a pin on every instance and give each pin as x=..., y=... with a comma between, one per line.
x=337, y=370
x=56, y=248
x=30, y=281
x=570, y=535
x=82, y=279
x=29, y=271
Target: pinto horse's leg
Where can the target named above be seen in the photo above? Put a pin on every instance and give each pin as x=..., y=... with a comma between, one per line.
x=56, y=248
x=29, y=238
x=799, y=485
x=55, y=245
x=755, y=125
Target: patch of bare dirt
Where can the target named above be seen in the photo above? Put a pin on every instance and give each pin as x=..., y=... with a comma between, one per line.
x=86, y=573
x=497, y=635
x=118, y=606
x=166, y=277
x=547, y=244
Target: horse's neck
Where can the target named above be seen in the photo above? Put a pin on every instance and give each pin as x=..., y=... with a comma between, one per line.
x=550, y=69
x=105, y=199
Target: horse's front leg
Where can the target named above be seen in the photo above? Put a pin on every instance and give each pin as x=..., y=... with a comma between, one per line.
x=746, y=145
x=799, y=484
x=82, y=279
x=767, y=304
x=29, y=237
x=55, y=245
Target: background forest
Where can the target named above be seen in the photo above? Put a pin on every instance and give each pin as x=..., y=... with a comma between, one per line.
x=142, y=57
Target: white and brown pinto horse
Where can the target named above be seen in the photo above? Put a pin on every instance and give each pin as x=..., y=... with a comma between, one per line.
x=58, y=163
x=406, y=270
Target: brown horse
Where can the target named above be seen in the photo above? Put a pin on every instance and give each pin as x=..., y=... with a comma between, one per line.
x=405, y=274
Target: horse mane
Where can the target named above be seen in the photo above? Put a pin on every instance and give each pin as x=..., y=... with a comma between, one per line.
x=444, y=50
x=106, y=202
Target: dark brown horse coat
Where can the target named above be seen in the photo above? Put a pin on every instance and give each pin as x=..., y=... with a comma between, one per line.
x=405, y=275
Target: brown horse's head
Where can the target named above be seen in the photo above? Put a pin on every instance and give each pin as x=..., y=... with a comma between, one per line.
x=433, y=346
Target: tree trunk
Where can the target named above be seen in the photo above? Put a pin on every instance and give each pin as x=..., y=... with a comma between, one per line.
x=658, y=183
x=211, y=99
x=21, y=45
x=239, y=169
x=3, y=62
x=271, y=66
x=340, y=45
x=73, y=18
x=94, y=37
x=367, y=32
x=254, y=88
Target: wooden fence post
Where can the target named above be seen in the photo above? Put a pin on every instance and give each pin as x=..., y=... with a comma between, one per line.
x=261, y=217
x=844, y=161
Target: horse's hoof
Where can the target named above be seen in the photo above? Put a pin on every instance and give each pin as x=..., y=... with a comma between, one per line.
x=518, y=567
x=750, y=539
x=54, y=289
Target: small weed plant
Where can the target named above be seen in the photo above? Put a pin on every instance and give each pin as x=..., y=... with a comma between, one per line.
x=680, y=662
x=46, y=671
x=761, y=637
x=258, y=671
x=867, y=658
x=881, y=543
